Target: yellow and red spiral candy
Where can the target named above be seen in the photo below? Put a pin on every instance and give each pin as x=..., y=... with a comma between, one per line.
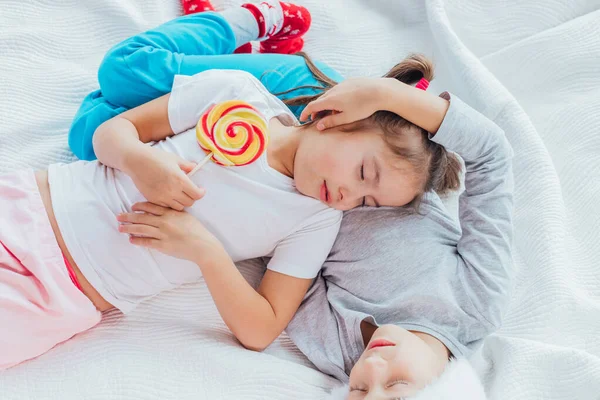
x=234, y=132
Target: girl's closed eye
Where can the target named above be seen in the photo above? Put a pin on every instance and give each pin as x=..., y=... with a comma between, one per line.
x=362, y=178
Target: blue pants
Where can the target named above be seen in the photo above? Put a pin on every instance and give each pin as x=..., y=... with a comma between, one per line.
x=142, y=68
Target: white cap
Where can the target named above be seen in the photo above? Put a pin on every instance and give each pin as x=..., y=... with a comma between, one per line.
x=458, y=381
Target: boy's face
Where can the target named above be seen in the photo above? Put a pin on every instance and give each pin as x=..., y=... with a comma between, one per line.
x=396, y=363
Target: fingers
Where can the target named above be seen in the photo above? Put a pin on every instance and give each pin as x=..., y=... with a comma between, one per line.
x=143, y=224
x=182, y=201
x=186, y=166
x=306, y=113
x=310, y=110
x=185, y=200
x=145, y=242
x=150, y=208
x=189, y=188
x=321, y=104
x=141, y=230
x=193, y=191
x=333, y=120
x=162, y=204
x=187, y=197
x=139, y=218
x=177, y=206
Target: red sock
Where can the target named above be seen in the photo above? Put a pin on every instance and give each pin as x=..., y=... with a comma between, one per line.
x=196, y=6
x=288, y=40
x=245, y=48
x=296, y=22
x=288, y=46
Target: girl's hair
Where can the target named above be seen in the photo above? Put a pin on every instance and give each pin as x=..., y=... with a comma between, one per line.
x=439, y=170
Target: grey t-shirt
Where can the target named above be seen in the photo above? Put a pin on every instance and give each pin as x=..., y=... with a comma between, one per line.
x=422, y=272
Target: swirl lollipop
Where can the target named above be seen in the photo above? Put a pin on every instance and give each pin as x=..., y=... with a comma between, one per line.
x=233, y=132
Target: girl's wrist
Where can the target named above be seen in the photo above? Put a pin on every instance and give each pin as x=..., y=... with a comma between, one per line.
x=209, y=254
x=135, y=156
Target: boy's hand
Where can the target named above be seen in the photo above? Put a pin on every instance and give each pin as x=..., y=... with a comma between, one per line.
x=348, y=101
x=162, y=178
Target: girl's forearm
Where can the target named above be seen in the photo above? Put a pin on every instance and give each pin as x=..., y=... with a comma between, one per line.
x=415, y=105
x=247, y=314
x=117, y=144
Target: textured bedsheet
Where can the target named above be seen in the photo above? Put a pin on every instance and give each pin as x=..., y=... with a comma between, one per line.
x=530, y=66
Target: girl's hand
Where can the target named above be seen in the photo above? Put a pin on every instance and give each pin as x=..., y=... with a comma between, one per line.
x=162, y=178
x=349, y=101
x=175, y=233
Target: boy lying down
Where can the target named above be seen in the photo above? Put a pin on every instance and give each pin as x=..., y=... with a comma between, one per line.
x=404, y=298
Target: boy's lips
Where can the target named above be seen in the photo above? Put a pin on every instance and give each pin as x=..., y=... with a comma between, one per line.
x=380, y=343
x=325, y=193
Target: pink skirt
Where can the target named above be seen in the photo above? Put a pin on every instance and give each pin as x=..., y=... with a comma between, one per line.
x=40, y=304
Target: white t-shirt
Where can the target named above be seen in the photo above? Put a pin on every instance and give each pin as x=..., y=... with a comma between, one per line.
x=253, y=210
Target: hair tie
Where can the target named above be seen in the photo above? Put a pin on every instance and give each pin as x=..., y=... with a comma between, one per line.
x=423, y=84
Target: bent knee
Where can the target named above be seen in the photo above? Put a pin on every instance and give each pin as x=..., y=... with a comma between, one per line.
x=114, y=75
x=133, y=73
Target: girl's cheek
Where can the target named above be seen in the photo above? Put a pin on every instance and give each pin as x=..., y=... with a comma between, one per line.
x=331, y=160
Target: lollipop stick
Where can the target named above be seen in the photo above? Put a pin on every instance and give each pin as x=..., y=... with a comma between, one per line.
x=200, y=164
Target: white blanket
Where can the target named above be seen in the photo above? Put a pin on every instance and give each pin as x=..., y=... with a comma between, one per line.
x=531, y=66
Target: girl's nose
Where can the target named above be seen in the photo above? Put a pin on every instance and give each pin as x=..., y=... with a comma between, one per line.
x=352, y=196
x=345, y=198
x=342, y=194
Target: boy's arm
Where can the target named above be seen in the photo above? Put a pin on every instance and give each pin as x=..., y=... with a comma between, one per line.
x=356, y=99
x=485, y=207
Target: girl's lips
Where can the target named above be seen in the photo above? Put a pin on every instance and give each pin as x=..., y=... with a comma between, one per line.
x=324, y=193
x=380, y=343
